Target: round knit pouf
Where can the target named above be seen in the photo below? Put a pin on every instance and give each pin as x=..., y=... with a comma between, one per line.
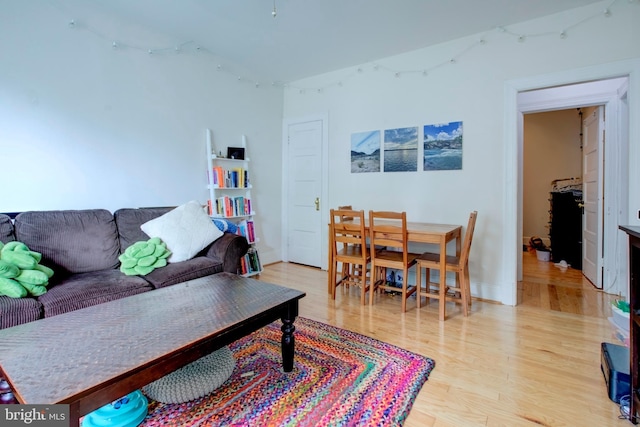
x=194, y=380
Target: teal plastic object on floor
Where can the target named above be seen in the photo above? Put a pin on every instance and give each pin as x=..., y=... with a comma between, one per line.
x=128, y=411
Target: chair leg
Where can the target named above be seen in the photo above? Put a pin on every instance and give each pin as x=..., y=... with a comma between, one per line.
x=427, y=279
x=346, y=272
x=332, y=279
x=467, y=283
x=404, y=292
x=419, y=285
x=372, y=286
x=462, y=286
x=362, y=270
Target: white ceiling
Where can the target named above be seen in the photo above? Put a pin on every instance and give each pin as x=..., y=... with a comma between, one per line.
x=309, y=37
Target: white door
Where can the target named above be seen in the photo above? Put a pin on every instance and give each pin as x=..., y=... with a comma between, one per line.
x=304, y=227
x=592, y=194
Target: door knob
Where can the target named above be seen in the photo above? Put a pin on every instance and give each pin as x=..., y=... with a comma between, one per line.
x=317, y=202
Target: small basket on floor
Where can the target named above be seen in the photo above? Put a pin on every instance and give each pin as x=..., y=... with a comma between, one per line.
x=543, y=255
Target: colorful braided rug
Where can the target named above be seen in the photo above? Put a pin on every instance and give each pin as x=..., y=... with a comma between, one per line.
x=340, y=378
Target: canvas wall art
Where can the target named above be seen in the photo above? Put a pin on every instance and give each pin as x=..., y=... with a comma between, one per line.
x=401, y=150
x=365, y=152
x=443, y=146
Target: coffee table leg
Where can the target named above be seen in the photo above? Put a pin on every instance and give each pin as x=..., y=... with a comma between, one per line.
x=74, y=415
x=288, y=340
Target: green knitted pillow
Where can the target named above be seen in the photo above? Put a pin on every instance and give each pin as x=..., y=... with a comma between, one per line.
x=144, y=257
x=21, y=273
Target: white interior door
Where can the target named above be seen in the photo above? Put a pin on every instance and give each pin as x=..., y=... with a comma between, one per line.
x=304, y=227
x=592, y=194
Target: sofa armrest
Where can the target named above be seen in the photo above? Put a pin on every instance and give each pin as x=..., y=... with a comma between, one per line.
x=228, y=250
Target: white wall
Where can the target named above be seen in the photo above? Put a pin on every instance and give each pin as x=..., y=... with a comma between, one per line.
x=83, y=125
x=471, y=90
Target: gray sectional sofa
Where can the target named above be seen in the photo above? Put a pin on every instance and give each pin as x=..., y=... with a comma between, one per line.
x=82, y=248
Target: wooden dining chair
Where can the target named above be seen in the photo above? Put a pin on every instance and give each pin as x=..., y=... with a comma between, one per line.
x=357, y=267
x=388, y=230
x=459, y=293
x=350, y=249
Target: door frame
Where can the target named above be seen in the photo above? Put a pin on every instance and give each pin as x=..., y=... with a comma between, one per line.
x=513, y=136
x=324, y=192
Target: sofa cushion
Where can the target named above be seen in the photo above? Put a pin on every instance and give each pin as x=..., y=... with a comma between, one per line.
x=87, y=289
x=129, y=220
x=16, y=311
x=182, y=271
x=72, y=241
x=6, y=229
x=186, y=230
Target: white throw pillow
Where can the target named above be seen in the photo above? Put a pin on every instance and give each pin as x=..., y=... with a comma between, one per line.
x=186, y=230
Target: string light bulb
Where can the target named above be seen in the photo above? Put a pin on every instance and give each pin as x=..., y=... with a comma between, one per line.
x=72, y=23
x=274, y=12
x=563, y=35
x=607, y=13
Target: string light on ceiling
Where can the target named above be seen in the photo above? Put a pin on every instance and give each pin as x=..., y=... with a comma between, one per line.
x=188, y=46
x=503, y=30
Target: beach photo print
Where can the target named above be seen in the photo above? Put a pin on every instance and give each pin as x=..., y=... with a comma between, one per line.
x=365, y=152
x=401, y=150
x=442, y=147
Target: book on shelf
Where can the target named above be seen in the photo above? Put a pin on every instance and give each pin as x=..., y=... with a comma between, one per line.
x=230, y=178
x=227, y=206
x=246, y=229
x=250, y=263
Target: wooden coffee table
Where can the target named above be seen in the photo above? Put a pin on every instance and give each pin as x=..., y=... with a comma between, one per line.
x=93, y=356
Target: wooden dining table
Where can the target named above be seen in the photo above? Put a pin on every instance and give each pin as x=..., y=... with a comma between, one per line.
x=420, y=232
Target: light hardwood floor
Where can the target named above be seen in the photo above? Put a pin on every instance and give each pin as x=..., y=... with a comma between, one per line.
x=536, y=364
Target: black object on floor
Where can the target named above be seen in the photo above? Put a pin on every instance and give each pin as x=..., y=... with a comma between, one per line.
x=614, y=363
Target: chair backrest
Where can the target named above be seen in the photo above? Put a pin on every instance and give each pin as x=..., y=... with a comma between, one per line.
x=468, y=237
x=348, y=232
x=389, y=229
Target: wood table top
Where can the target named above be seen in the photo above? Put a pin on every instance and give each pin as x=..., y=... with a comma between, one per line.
x=62, y=358
x=423, y=232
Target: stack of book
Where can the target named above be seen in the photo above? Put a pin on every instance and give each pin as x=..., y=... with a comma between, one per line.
x=230, y=178
x=246, y=229
x=228, y=207
x=250, y=263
